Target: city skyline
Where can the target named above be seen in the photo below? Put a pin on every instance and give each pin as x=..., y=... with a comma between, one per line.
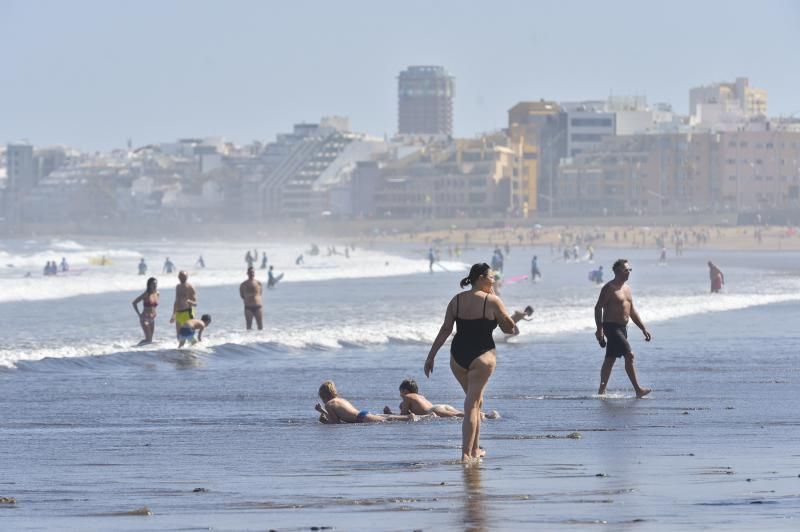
x=187, y=69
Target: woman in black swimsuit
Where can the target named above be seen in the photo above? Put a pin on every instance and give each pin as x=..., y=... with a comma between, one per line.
x=147, y=316
x=476, y=313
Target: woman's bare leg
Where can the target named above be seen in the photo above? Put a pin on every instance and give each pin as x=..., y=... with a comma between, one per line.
x=151, y=329
x=477, y=377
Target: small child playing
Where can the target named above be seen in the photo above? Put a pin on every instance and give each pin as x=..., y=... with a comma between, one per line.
x=339, y=410
x=416, y=403
x=187, y=330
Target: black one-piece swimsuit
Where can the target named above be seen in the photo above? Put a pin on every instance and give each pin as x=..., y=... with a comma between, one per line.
x=473, y=337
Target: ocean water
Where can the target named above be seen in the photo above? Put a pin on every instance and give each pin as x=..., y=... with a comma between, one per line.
x=224, y=436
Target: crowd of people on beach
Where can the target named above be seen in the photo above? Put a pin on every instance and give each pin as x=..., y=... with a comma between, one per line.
x=51, y=268
x=183, y=310
x=475, y=312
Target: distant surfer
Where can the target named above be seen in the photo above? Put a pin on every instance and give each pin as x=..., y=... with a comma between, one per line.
x=187, y=331
x=716, y=277
x=611, y=314
x=185, y=301
x=147, y=316
x=596, y=276
x=250, y=292
x=168, y=267
x=142, y=267
x=535, y=272
x=272, y=279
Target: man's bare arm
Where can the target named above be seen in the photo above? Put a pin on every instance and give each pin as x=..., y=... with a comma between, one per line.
x=638, y=321
x=598, y=308
x=598, y=314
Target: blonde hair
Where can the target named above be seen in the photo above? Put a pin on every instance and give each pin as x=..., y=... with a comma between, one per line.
x=327, y=389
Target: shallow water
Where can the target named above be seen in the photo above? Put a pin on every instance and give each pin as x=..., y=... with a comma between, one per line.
x=94, y=429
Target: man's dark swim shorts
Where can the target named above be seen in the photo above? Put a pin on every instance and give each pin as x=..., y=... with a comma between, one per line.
x=616, y=340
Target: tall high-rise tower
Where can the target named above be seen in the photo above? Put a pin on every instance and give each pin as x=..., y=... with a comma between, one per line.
x=425, y=101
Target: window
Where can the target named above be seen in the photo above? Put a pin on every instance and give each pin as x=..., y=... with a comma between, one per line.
x=586, y=137
x=590, y=122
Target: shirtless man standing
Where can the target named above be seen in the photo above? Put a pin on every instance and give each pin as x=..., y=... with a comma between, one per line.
x=185, y=299
x=250, y=292
x=611, y=313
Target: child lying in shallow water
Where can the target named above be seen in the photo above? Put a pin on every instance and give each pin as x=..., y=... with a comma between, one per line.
x=416, y=403
x=339, y=410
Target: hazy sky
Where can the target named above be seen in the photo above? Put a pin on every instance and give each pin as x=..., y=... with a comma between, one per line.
x=91, y=74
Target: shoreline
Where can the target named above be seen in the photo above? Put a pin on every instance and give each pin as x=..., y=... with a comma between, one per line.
x=613, y=234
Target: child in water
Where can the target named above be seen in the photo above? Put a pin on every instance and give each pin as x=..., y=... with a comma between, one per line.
x=416, y=403
x=187, y=330
x=339, y=410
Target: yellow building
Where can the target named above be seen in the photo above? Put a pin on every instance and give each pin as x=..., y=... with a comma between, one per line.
x=526, y=120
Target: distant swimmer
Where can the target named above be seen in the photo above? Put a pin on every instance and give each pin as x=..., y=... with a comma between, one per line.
x=535, y=272
x=431, y=259
x=716, y=277
x=147, y=316
x=168, y=267
x=473, y=358
x=200, y=262
x=185, y=301
x=272, y=279
x=299, y=260
x=339, y=410
x=596, y=276
x=64, y=264
x=142, y=267
x=662, y=259
x=414, y=402
x=264, y=260
x=187, y=331
x=250, y=292
x=522, y=315
x=250, y=259
x=611, y=313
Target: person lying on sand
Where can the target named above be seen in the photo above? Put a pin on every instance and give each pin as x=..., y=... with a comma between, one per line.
x=339, y=410
x=416, y=403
